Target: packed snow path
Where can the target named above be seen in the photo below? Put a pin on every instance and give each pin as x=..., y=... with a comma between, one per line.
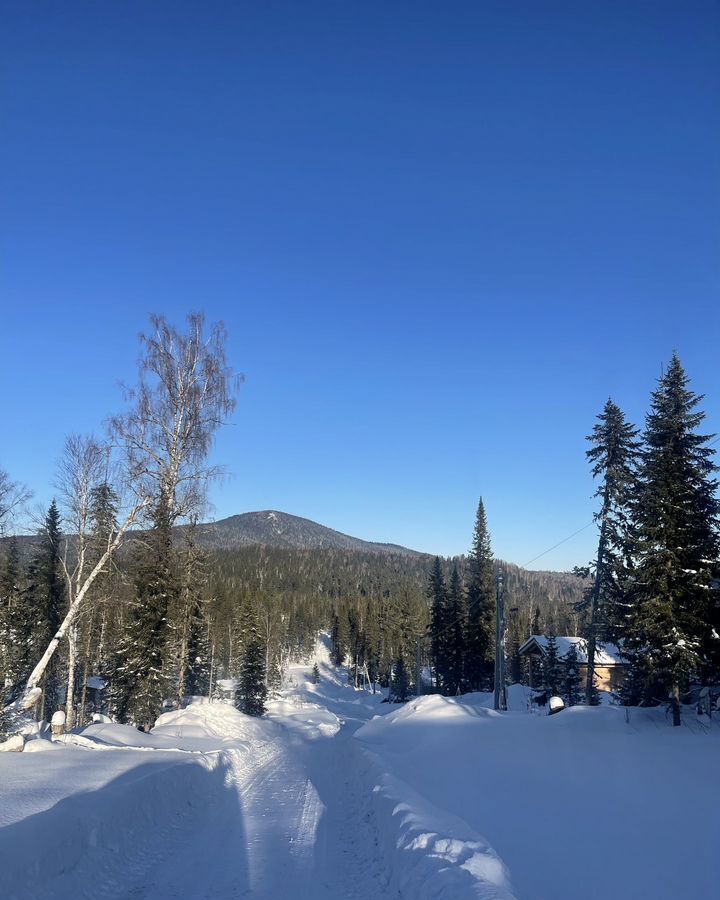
x=211, y=806
x=440, y=799
x=295, y=825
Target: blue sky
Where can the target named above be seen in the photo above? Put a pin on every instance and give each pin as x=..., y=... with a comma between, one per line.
x=439, y=234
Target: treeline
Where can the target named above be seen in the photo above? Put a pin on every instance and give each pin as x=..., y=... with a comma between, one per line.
x=169, y=619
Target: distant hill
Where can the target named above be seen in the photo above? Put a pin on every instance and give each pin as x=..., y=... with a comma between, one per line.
x=282, y=531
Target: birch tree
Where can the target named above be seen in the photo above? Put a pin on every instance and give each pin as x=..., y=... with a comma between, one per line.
x=185, y=392
x=81, y=471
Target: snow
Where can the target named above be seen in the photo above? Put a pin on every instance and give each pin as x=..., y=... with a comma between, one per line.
x=577, y=804
x=334, y=795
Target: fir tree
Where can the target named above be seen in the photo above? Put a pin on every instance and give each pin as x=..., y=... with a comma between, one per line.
x=189, y=638
x=315, y=677
x=633, y=689
x=96, y=619
x=47, y=597
x=437, y=594
x=400, y=685
x=339, y=638
x=613, y=457
x=481, y=607
x=142, y=681
x=197, y=675
x=252, y=682
x=455, y=644
x=571, y=677
x=673, y=628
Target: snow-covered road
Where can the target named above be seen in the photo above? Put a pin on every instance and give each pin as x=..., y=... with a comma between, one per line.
x=326, y=799
x=211, y=806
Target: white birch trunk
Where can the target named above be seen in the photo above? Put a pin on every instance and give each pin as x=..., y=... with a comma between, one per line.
x=72, y=661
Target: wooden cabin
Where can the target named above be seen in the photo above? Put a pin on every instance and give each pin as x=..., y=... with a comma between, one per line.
x=610, y=667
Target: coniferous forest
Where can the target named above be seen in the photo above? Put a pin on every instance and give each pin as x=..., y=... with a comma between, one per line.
x=111, y=609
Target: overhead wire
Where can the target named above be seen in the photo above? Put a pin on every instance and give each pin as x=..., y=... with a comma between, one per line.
x=545, y=552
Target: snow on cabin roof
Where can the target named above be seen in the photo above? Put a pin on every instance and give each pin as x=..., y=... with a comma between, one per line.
x=605, y=654
x=95, y=683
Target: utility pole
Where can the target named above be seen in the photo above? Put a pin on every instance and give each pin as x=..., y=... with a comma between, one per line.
x=500, y=701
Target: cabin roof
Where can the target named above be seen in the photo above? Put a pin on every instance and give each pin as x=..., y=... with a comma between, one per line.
x=605, y=654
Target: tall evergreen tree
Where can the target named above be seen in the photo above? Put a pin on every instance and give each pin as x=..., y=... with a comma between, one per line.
x=142, y=679
x=252, y=688
x=400, y=688
x=189, y=634
x=455, y=645
x=571, y=677
x=674, y=625
x=613, y=457
x=17, y=626
x=481, y=607
x=437, y=595
x=553, y=668
x=47, y=597
x=339, y=637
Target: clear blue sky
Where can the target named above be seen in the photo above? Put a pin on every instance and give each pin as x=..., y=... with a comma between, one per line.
x=440, y=235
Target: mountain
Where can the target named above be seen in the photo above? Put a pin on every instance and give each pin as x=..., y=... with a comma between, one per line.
x=282, y=531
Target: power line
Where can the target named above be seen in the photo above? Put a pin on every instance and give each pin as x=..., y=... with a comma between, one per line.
x=571, y=536
x=559, y=544
x=544, y=553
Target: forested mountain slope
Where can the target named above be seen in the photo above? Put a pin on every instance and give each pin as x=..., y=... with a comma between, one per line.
x=279, y=529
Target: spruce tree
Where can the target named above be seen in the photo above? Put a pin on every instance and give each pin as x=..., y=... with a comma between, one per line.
x=315, y=676
x=674, y=623
x=613, y=457
x=553, y=669
x=481, y=608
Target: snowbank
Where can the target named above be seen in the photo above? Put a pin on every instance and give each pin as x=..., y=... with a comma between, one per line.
x=431, y=854
x=570, y=803
x=108, y=804
x=69, y=815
